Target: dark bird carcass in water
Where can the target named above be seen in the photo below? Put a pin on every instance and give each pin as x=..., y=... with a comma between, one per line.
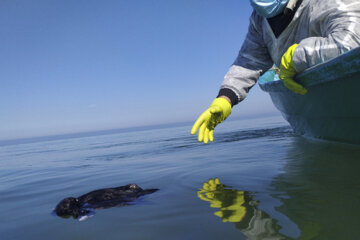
x=84, y=206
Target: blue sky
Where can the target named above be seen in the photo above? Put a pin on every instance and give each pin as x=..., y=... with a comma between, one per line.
x=71, y=66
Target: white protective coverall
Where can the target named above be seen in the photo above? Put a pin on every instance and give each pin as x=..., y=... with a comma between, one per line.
x=324, y=29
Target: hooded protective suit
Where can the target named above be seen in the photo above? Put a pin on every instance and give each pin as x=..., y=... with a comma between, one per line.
x=324, y=29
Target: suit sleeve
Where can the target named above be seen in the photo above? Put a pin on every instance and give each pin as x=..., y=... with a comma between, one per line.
x=339, y=26
x=252, y=61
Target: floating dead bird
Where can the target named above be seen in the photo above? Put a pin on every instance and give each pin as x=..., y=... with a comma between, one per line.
x=85, y=205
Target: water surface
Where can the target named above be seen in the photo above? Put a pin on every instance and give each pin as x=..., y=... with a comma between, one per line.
x=256, y=181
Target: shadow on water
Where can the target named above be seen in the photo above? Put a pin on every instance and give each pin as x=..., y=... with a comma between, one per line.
x=318, y=190
x=170, y=145
x=272, y=133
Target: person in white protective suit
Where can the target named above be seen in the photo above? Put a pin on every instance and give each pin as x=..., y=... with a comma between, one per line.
x=292, y=34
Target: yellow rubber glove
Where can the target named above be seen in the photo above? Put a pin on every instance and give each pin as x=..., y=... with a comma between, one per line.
x=288, y=72
x=218, y=111
x=230, y=202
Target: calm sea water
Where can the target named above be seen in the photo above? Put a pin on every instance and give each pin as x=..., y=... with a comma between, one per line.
x=270, y=184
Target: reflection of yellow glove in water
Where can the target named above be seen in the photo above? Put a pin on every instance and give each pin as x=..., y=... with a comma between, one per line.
x=288, y=72
x=218, y=111
x=229, y=201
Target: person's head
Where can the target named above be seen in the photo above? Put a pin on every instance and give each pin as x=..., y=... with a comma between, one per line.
x=269, y=8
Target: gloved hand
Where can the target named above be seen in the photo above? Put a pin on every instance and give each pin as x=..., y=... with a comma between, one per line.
x=218, y=111
x=230, y=202
x=288, y=72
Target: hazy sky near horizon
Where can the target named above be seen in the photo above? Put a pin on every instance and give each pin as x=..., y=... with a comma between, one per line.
x=70, y=66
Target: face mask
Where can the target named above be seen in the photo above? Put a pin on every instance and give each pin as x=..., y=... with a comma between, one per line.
x=269, y=8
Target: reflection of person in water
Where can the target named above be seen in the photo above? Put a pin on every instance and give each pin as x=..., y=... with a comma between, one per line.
x=240, y=208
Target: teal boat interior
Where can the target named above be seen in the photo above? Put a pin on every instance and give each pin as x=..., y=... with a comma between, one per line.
x=343, y=67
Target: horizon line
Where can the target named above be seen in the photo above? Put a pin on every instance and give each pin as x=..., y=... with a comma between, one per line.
x=90, y=133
